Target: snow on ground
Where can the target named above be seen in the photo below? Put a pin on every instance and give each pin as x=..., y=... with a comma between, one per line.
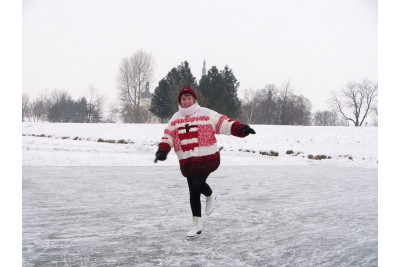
x=89, y=203
x=352, y=146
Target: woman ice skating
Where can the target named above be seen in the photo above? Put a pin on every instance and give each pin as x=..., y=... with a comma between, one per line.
x=191, y=132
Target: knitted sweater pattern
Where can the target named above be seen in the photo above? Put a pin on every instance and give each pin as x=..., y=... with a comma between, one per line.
x=191, y=132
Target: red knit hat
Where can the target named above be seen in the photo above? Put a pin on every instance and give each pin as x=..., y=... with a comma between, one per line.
x=186, y=90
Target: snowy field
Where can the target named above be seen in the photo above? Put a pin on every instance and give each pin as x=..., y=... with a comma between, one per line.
x=347, y=146
x=90, y=203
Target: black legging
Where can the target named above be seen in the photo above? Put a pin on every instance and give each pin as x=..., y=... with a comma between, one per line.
x=197, y=185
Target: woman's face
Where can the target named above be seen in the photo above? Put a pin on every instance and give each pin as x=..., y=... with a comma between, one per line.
x=187, y=100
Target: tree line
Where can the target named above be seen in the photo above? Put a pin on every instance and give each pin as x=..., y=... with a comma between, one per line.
x=59, y=106
x=217, y=90
x=278, y=106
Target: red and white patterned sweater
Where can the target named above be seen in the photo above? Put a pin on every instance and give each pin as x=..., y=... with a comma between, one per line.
x=191, y=132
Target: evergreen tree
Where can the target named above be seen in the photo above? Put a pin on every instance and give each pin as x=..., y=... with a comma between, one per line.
x=164, y=102
x=79, y=110
x=59, y=110
x=232, y=101
x=211, y=88
x=219, y=91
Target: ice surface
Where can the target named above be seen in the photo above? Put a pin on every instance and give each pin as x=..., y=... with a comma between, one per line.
x=313, y=215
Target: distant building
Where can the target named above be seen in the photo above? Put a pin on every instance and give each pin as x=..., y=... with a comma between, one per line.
x=145, y=103
x=146, y=96
x=204, y=71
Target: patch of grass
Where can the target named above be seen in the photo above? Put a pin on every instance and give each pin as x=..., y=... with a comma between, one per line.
x=318, y=157
x=346, y=156
x=110, y=141
x=271, y=153
x=294, y=154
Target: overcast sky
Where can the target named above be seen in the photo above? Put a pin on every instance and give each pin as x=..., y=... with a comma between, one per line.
x=319, y=45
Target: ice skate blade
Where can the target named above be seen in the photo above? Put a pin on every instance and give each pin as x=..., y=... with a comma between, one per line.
x=209, y=213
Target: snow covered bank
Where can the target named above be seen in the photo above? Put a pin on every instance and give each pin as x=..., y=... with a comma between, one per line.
x=53, y=144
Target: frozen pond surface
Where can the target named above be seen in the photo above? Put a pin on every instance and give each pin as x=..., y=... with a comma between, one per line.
x=138, y=216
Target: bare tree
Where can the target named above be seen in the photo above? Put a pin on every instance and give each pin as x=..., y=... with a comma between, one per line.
x=25, y=106
x=299, y=111
x=39, y=109
x=248, y=106
x=268, y=103
x=134, y=72
x=284, y=99
x=94, y=107
x=113, y=114
x=318, y=119
x=261, y=105
x=356, y=101
x=374, y=111
x=47, y=101
x=56, y=95
x=272, y=106
x=290, y=109
x=325, y=118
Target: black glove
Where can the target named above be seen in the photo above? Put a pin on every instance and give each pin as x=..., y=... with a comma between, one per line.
x=160, y=156
x=248, y=130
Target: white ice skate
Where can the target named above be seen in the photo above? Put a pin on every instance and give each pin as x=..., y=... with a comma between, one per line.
x=210, y=203
x=196, y=229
